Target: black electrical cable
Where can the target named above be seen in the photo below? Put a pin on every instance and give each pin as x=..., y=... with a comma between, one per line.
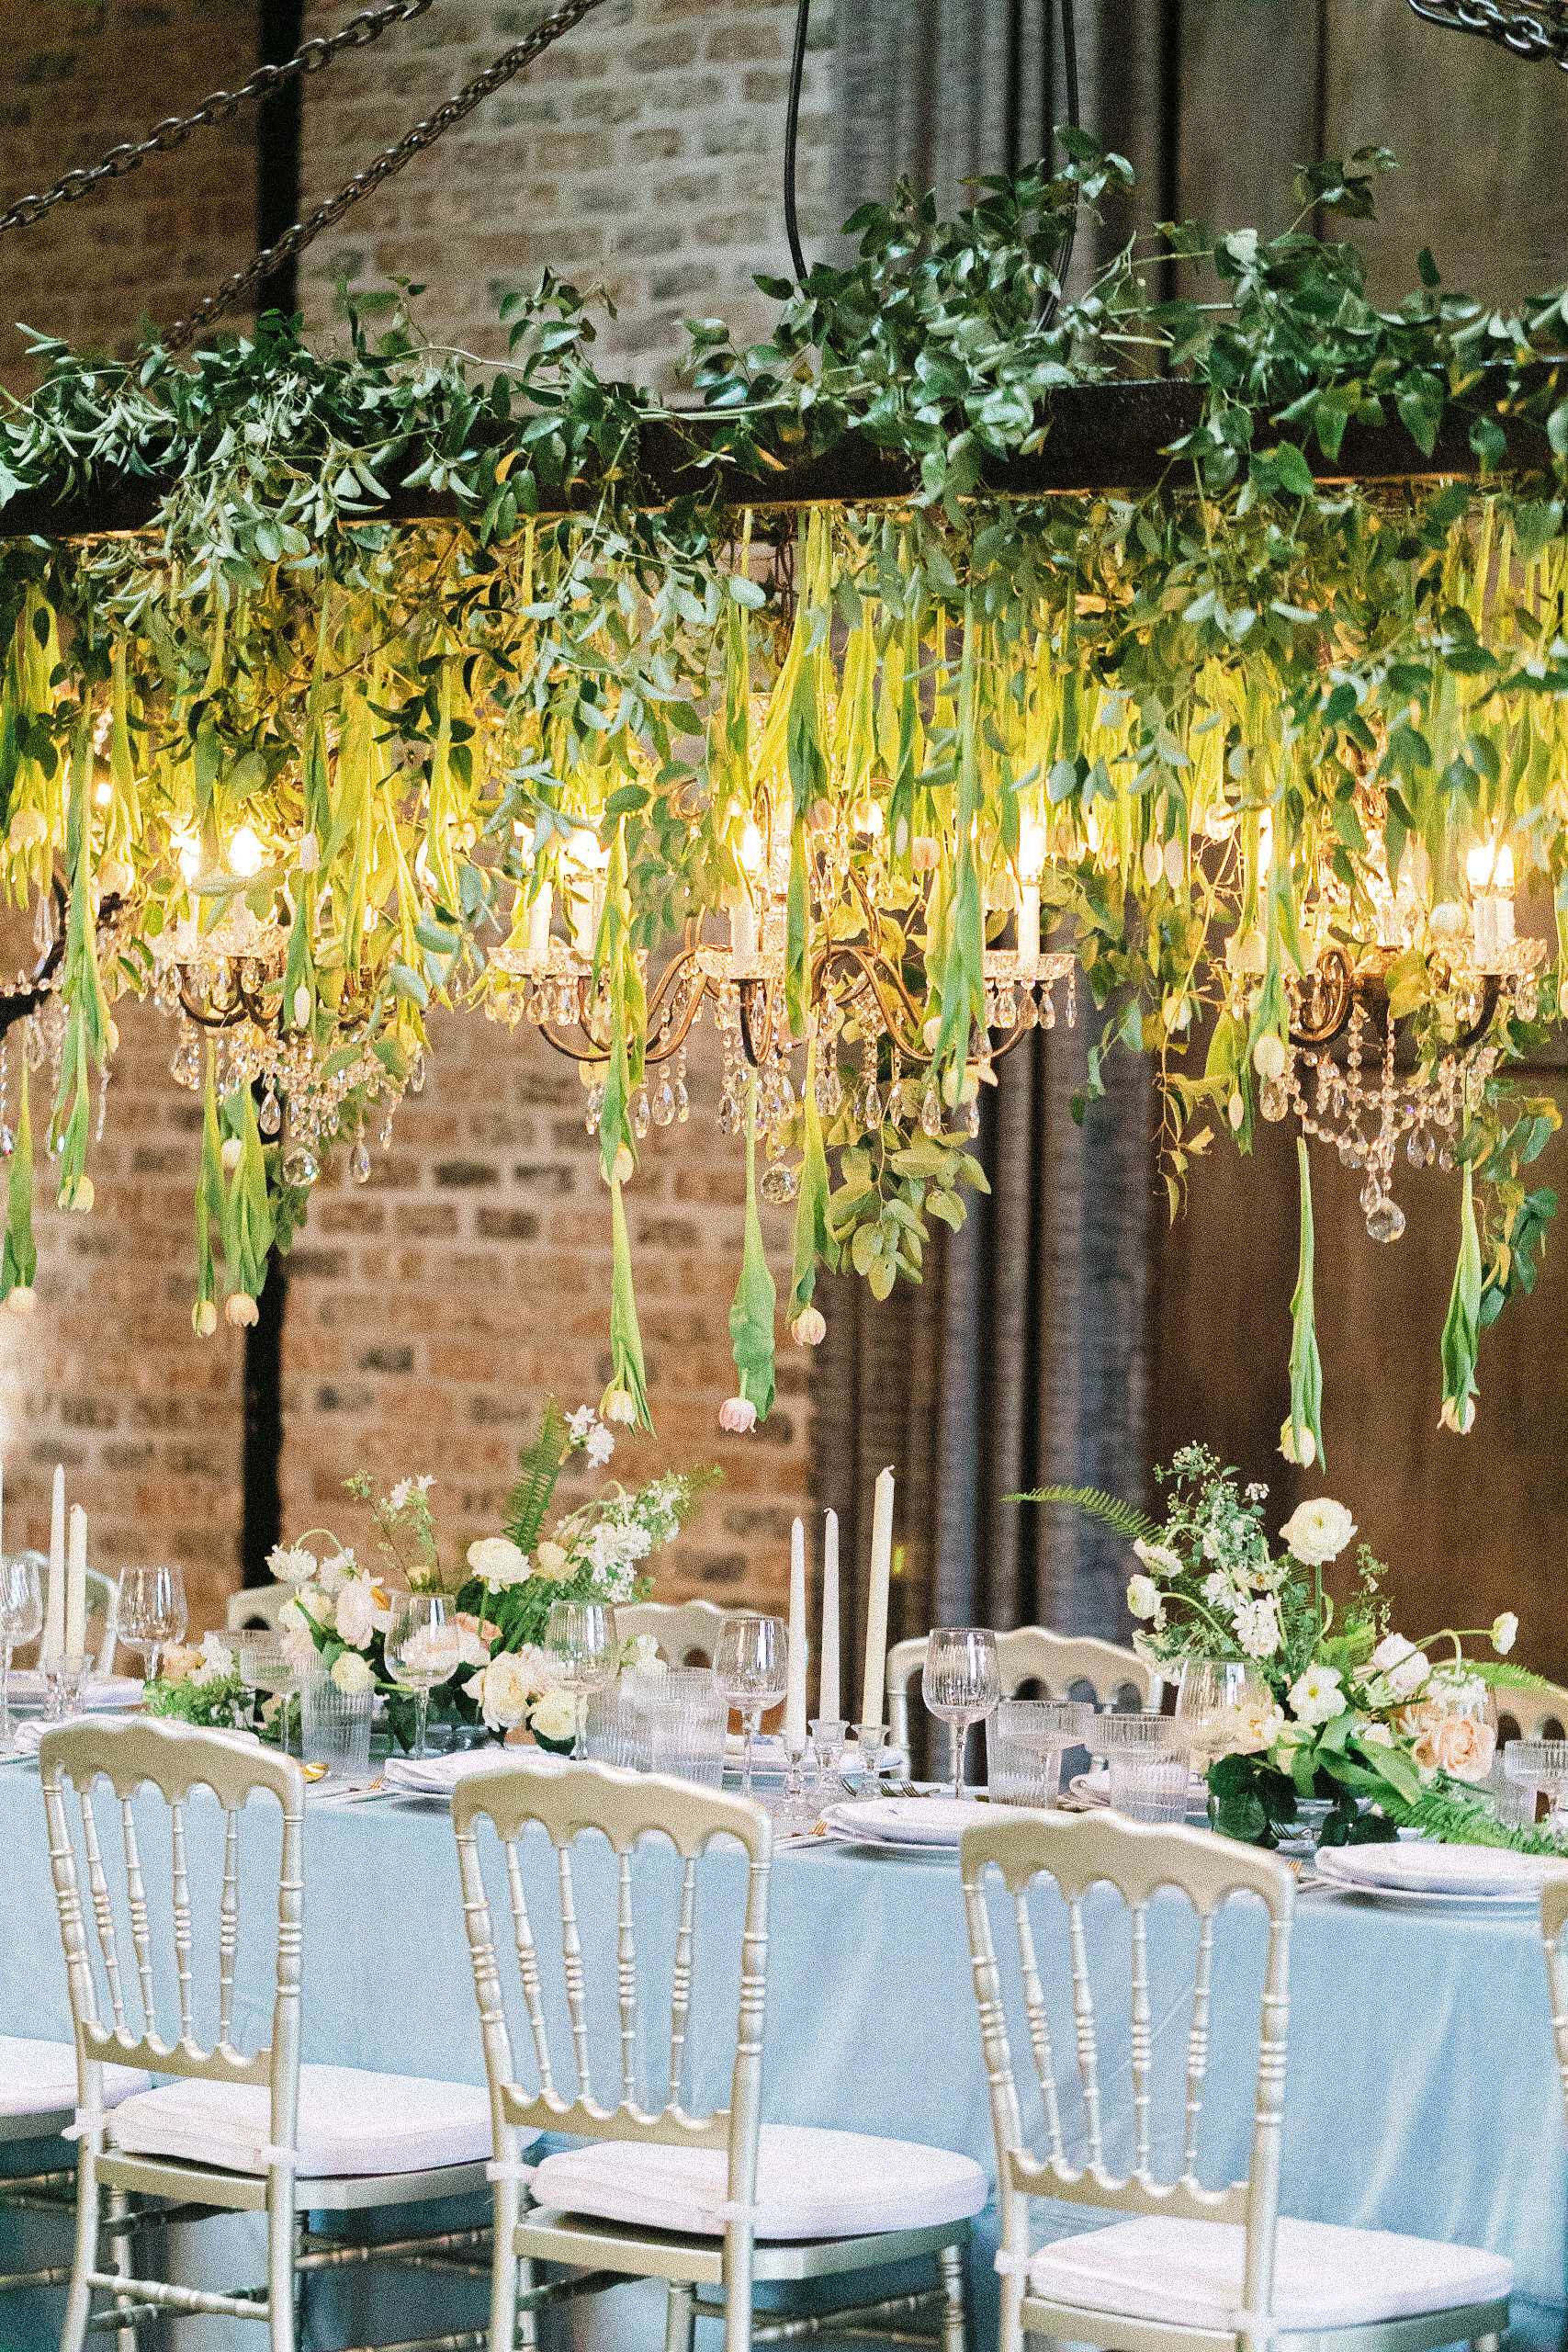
x=792, y=131
x=1070, y=67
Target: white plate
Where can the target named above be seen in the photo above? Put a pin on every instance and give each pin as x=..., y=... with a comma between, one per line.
x=1467, y=1873
x=437, y=1776
x=907, y=1821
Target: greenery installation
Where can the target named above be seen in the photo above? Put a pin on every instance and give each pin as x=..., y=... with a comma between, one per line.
x=315, y=773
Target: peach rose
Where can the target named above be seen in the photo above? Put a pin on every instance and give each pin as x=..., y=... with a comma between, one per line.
x=1458, y=1745
x=1416, y=1722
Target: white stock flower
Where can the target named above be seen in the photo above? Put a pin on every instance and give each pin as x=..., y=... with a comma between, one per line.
x=401, y=1493
x=497, y=1561
x=1159, y=1556
x=1143, y=1597
x=292, y=1565
x=351, y=1672
x=361, y=1610
x=601, y=1445
x=1503, y=1631
x=580, y=1425
x=555, y=1715
x=1217, y=1591
x=1257, y=1627
x=1318, y=1531
x=1316, y=1696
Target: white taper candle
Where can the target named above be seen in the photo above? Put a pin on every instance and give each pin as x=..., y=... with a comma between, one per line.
x=828, y=1695
x=875, y=1681
x=795, y=1689
x=54, y=1605
x=76, y=1584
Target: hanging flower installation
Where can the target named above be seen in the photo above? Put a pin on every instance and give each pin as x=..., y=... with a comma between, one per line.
x=1242, y=768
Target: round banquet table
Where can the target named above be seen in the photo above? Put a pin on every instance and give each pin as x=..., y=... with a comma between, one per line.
x=1422, y=2092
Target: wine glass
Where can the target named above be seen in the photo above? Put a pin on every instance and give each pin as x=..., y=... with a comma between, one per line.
x=752, y=1668
x=21, y=1619
x=152, y=1613
x=264, y=1665
x=421, y=1650
x=962, y=1683
x=581, y=1642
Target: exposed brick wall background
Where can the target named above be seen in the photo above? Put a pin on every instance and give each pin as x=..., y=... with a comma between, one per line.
x=78, y=78
x=431, y=1310
x=642, y=154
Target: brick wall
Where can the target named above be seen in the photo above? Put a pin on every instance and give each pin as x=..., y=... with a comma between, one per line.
x=78, y=78
x=431, y=1310
x=642, y=152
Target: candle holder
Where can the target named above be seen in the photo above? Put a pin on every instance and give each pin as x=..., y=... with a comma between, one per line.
x=795, y=1809
x=828, y=1759
x=872, y=1755
x=65, y=1675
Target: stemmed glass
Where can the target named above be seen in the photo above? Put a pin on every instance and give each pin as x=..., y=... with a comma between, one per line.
x=1542, y=1764
x=421, y=1650
x=752, y=1668
x=962, y=1683
x=264, y=1665
x=582, y=1641
x=152, y=1613
x=21, y=1619
x=1209, y=1701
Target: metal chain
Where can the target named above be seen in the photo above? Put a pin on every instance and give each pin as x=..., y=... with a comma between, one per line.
x=1529, y=31
x=423, y=134
x=264, y=82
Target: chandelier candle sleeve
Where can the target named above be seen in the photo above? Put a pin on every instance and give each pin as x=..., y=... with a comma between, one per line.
x=828, y=1684
x=795, y=1691
x=540, y=923
x=77, y=1586
x=873, y=1682
x=54, y=1605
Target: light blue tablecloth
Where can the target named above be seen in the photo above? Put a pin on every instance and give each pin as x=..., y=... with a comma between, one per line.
x=1422, y=2092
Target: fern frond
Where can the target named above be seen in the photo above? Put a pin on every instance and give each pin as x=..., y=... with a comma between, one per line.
x=1504, y=1675
x=540, y=1464
x=1134, y=1526
x=1461, y=1821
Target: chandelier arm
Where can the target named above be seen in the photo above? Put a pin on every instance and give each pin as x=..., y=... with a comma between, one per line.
x=868, y=968
x=1526, y=33
x=294, y=241
x=35, y=989
x=792, y=134
x=165, y=137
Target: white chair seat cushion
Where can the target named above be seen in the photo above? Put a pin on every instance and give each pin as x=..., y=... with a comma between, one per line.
x=39, y=2079
x=350, y=2122
x=810, y=2184
x=1190, y=2273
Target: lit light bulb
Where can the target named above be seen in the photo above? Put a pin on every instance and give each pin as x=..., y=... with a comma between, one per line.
x=1031, y=850
x=188, y=850
x=1503, y=880
x=1265, y=841
x=1479, y=863
x=246, y=855
x=751, y=848
x=103, y=793
x=1091, y=832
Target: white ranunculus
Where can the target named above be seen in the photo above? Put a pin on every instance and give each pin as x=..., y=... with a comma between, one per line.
x=497, y=1561
x=1159, y=1556
x=1318, y=1531
x=360, y=1610
x=1503, y=1631
x=506, y=1686
x=335, y=1571
x=555, y=1715
x=1143, y=1597
x=1390, y=1650
x=351, y=1672
x=1405, y=1678
x=1316, y=1695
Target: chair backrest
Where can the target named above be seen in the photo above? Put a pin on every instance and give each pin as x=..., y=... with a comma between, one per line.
x=1553, y=1921
x=256, y=1604
x=1030, y=1654
x=1080, y=1853
x=601, y=1995
x=103, y=1594
x=175, y=1759
x=685, y=1631
x=1537, y=1714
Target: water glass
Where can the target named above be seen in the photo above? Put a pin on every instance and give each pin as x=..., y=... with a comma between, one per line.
x=1024, y=1747
x=609, y=1726
x=752, y=1673
x=681, y=1719
x=1149, y=1783
x=1213, y=1696
x=421, y=1650
x=1542, y=1764
x=334, y=1727
x=152, y=1613
x=962, y=1683
x=582, y=1645
x=21, y=1619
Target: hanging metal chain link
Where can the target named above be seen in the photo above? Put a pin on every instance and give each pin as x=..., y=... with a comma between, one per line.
x=1535, y=30
x=165, y=137
x=423, y=134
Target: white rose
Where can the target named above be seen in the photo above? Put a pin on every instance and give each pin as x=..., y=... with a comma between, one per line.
x=1316, y=1696
x=506, y=1685
x=351, y=1672
x=497, y=1561
x=1406, y=1677
x=1318, y=1531
x=1143, y=1597
x=554, y=1715
x=1504, y=1629
x=361, y=1610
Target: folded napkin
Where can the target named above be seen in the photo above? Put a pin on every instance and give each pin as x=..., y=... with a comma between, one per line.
x=28, y=1734
x=437, y=1776
x=29, y=1689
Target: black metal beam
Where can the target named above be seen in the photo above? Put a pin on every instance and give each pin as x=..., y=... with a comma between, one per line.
x=1100, y=437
